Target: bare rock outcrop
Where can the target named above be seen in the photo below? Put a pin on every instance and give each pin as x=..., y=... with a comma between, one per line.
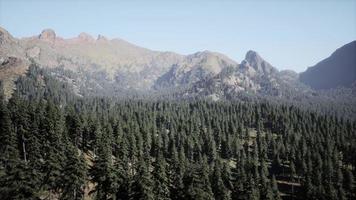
x=85, y=37
x=48, y=35
x=33, y=52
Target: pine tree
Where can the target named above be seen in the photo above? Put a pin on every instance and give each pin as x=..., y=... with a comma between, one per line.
x=141, y=188
x=226, y=176
x=123, y=177
x=75, y=129
x=197, y=182
x=19, y=182
x=218, y=187
x=160, y=178
x=8, y=138
x=51, y=129
x=176, y=175
x=17, y=179
x=103, y=172
x=74, y=174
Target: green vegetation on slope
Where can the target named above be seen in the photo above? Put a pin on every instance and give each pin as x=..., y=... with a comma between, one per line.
x=152, y=149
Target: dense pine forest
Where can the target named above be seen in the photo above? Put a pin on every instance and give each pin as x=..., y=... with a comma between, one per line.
x=56, y=145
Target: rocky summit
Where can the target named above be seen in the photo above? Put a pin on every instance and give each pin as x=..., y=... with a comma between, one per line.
x=105, y=66
x=48, y=35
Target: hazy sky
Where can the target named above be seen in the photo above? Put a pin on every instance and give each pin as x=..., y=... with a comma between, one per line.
x=288, y=34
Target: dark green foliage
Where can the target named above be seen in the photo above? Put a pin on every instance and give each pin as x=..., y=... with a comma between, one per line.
x=19, y=182
x=143, y=149
x=197, y=181
x=8, y=138
x=52, y=132
x=74, y=174
x=103, y=172
x=142, y=185
x=221, y=192
x=160, y=178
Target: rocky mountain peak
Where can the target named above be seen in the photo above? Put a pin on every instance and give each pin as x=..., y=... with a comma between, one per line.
x=254, y=60
x=252, y=55
x=102, y=38
x=48, y=35
x=86, y=37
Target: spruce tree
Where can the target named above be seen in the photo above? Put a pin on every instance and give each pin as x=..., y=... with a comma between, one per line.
x=103, y=172
x=142, y=186
x=19, y=182
x=198, y=183
x=219, y=189
x=160, y=178
x=74, y=174
x=123, y=177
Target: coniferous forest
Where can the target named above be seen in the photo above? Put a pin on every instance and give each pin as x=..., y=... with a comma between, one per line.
x=55, y=145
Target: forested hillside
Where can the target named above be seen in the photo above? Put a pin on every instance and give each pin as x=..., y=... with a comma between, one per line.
x=57, y=145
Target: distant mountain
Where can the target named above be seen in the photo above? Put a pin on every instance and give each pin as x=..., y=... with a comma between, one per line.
x=194, y=68
x=113, y=67
x=253, y=76
x=120, y=63
x=102, y=66
x=337, y=70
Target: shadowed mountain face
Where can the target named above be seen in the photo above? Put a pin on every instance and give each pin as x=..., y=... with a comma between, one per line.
x=337, y=70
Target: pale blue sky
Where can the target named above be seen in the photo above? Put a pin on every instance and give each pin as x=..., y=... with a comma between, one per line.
x=288, y=34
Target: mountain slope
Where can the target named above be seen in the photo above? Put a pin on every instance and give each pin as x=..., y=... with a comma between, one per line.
x=113, y=65
x=253, y=76
x=194, y=68
x=12, y=63
x=104, y=67
x=123, y=64
x=337, y=70
x=116, y=58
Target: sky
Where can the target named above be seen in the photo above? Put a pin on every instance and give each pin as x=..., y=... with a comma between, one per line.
x=292, y=34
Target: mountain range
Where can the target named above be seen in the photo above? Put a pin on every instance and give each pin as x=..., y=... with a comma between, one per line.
x=102, y=66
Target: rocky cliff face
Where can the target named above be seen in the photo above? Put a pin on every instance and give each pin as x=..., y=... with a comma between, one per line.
x=338, y=70
x=259, y=64
x=193, y=68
